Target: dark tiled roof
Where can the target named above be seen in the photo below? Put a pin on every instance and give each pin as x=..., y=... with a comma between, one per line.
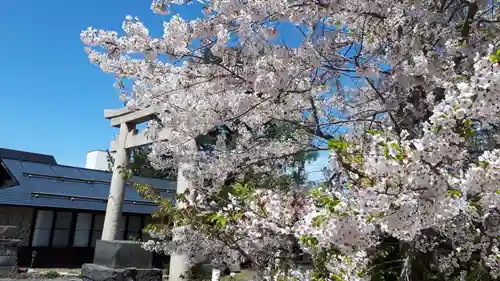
x=51, y=185
x=27, y=156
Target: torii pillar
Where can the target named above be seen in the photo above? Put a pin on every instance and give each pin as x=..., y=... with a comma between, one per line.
x=128, y=138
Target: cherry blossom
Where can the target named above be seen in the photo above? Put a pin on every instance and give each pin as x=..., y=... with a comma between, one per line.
x=404, y=96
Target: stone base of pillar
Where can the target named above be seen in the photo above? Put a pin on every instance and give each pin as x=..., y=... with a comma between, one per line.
x=122, y=254
x=236, y=267
x=121, y=261
x=8, y=250
x=95, y=272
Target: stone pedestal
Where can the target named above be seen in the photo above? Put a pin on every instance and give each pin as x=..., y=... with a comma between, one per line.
x=95, y=272
x=236, y=267
x=8, y=250
x=122, y=254
x=121, y=261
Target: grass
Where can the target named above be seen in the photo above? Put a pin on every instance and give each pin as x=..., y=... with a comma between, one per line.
x=52, y=274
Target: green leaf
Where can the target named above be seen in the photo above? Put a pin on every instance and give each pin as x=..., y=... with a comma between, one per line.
x=337, y=145
x=337, y=277
x=454, y=193
x=361, y=274
x=467, y=123
x=493, y=58
x=219, y=220
x=309, y=240
x=397, y=147
x=370, y=218
x=436, y=129
x=483, y=164
x=386, y=152
x=497, y=192
x=358, y=159
x=373, y=132
x=467, y=132
x=318, y=220
x=327, y=201
x=369, y=37
x=242, y=191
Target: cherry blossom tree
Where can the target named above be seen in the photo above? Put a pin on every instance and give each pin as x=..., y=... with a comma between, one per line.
x=404, y=95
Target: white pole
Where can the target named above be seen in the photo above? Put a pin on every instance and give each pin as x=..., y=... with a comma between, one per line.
x=117, y=188
x=178, y=262
x=215, y=274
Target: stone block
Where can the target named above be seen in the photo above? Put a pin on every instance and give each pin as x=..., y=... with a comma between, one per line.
x=8, y=251
x=208, y=267
x=144, y=274
x=8, y=261
x=10, y=242
x=8, y=254
x=236, y=267
x=122, y=254
x=7, y=270
x=8, y=231
x=95, y=272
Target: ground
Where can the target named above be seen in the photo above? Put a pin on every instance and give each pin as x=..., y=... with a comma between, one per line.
x=57, y=279
x=74, y=275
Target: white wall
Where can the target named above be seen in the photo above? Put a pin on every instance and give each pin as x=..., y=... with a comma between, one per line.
x=97, y=160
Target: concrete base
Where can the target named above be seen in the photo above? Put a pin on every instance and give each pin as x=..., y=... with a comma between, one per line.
x=207, y=267
x=121, y=261
x=95, y=272
x=235, y=267
x=122, y=254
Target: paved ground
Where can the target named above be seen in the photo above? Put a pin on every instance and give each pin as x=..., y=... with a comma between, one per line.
x=57, y=279
x=63, y=271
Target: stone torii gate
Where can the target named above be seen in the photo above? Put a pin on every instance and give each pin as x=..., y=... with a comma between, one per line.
x=129, y=137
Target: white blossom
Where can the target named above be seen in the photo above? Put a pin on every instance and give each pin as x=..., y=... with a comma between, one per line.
x=402, y=91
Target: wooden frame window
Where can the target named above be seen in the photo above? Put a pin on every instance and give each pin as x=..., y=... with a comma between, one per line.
x=72, y=228
x=82, y=230
x=62, y=229
x=43, y=228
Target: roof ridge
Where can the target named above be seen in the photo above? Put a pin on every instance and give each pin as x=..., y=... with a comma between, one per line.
x=27, y=156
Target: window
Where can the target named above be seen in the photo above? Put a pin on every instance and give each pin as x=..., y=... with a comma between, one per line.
x=98, y=225
x=62, y=226
x=55, y=228
x=82, y=230
x=6, y=179
x=134, y=227
x=43, y=228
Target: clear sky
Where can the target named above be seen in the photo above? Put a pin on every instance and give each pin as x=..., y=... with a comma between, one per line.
x=52, y=99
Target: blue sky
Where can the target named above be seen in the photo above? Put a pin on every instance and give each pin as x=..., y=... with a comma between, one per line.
x=52, y=98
